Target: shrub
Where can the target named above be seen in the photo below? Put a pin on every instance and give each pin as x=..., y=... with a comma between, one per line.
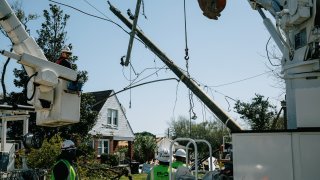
x=45, y=157
x=110, y=159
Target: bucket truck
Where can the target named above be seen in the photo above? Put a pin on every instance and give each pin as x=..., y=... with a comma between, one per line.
x=47, y=90
x=292, y=154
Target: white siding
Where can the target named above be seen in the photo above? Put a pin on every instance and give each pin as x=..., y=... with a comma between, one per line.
x=121, y=132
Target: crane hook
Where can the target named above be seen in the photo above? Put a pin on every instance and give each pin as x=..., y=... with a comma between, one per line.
x=186, y=57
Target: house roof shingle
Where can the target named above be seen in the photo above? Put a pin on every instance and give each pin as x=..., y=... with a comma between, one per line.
x=100, y=97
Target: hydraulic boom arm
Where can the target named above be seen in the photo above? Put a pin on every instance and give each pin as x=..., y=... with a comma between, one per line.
x=47, y=86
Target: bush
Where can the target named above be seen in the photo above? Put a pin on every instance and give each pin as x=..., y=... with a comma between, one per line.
x=110, y=159
x=45, y=157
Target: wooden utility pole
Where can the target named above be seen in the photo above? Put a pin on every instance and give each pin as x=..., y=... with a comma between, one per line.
x=227, y=120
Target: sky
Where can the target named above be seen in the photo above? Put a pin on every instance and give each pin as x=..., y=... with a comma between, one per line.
x=227, y=57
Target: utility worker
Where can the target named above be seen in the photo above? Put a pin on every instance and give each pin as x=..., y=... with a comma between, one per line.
x=65, y=61
x=180, y=157
x=161, y=171
x=180, y=168
x=64, y=168
x=64, y=57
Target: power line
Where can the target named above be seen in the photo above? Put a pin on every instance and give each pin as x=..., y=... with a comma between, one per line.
x=98, y=17
x=241, y=80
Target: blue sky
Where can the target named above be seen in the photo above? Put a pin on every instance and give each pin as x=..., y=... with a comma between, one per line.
x=226, y=51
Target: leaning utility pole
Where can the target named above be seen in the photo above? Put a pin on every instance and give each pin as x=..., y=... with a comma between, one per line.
x=227, y=120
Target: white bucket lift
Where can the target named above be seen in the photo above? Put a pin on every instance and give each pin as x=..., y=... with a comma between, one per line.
x=47, y=88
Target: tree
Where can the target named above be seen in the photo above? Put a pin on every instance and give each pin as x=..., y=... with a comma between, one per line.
x=212, y=131
x=259, y=113
x=144, y=146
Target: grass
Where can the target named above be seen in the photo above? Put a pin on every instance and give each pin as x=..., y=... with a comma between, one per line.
x=135, y=177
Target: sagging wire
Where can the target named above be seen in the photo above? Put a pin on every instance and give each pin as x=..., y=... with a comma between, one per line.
x=143, y=11
x=134, y=86
x=203, y=109
x=105, y=19
x=158, y=69
x=176, y=100
x=267, y=51
x=133, y=81
x=241, y=80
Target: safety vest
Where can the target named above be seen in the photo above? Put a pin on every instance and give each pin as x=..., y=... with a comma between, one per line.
x=176, y=164
x=160, y=172
x=72, y=173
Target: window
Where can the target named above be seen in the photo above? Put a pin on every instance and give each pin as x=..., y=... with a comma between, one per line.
x=103, y=146
x=112, y=117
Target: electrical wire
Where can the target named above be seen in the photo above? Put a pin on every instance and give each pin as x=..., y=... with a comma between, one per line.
x=176, y=100
x=267, y=51
x=131, y=87
x=143, y=10
x=241, y=80
x=105, y=19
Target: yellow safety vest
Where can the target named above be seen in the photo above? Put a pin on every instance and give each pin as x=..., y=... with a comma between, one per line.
x=176, y=164
x=72, y=173
x=160, y=172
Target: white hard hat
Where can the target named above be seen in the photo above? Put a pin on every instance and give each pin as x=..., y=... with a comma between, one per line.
x=181, y=153
x=68, y=144
x=66, y=49
x=163, y=155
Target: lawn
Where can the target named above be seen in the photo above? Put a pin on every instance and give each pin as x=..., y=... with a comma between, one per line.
x=135, y=177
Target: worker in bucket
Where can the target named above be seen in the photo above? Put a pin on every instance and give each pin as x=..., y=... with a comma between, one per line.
x=64, y=57
x=64, y=168
x=64, y=60
x=161, y=171
x=180, y=158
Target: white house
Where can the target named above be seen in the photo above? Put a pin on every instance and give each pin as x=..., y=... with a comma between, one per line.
x=112, y=129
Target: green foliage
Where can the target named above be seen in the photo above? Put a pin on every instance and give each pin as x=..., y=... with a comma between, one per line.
x=110, y=159
x=145, y=133
x=212, y=131
x=45, y=157
x=144, y=147
x=259, y=113
x=52, y=35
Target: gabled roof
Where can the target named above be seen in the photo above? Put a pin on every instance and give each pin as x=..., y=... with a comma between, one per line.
x=100, y=97
x=121, y=132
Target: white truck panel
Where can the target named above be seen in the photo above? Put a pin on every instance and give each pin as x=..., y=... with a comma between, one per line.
x=262, y=156
x=276, y=155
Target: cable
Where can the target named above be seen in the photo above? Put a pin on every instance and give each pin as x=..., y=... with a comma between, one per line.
x=241, y=80
x=268, y=53
x=143, y=11
x=148, y=75
x=34, y=87
x=105, y=19
x=131, y=87
x=176, y=99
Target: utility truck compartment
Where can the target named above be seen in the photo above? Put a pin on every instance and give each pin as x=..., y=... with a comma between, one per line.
x=291, y=155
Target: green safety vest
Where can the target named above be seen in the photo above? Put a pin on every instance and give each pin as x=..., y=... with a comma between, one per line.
x=160, y=172
x=176, y=164
x=72, y=173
